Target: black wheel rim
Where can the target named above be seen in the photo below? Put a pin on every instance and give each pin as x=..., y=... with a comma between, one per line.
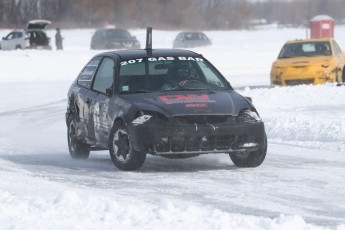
x=121, y=145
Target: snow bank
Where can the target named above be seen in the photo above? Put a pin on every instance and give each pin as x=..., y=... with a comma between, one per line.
x=73, y=210
x=311, y=116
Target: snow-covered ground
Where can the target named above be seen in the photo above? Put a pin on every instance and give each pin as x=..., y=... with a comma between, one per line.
x=300, y=185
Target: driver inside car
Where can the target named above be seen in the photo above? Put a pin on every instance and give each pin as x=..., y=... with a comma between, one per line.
x=178, y=76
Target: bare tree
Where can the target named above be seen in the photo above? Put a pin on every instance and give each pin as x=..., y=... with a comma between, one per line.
x=170, y=14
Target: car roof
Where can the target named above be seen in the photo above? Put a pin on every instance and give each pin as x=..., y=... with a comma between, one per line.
x=310, y=40
x=191, y=32
x=139, y=53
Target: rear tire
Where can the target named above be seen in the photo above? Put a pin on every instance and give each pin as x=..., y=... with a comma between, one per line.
x=121, y=152
x=250, y=159
x=77, y=149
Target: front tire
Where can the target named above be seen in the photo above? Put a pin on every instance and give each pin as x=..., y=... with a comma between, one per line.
x=77, y=149
x=121, y=152
x=250, y=159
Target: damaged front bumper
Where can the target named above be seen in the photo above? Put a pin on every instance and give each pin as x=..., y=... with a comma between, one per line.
x=164, y=138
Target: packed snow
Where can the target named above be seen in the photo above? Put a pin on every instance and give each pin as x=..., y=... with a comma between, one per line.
x=300, y=185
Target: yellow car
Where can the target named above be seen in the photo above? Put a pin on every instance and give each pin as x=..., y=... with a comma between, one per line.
x=310, y=61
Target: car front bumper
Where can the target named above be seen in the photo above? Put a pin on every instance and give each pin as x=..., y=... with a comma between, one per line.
x=301, y=76
x=161, y=138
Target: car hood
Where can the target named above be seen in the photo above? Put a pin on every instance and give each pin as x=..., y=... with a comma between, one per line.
x=304, y=61
x=38, y=24
x=180, y=103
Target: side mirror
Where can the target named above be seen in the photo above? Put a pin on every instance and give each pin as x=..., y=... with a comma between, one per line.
x=3, y=38
x=109, y=91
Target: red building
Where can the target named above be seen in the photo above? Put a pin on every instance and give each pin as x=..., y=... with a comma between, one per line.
x=322, y=26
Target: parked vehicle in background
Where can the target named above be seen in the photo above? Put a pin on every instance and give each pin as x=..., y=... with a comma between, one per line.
x=191, y=39
x=33, y=37
x=310, y=61
x=113, y=38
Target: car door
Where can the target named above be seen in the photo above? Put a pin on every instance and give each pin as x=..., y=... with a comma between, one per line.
x=7, y=42
x=339, y=59
x=103, y=86
x=84, y=97
x=339, y=54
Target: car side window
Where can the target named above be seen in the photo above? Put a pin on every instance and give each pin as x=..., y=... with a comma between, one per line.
x=18, y=35
x=104, y=76
x=10, y=36
x=336, y=48
x=86, y=75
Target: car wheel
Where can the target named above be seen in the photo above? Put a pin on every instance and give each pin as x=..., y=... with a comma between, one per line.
x=250, y=159
x=343, y=75
x=18, y=47
x=121, y=152
x=77, y=149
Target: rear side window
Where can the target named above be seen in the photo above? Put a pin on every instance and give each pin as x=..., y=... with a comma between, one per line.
x=104, y=76
x=86, y=75
x=336, y=48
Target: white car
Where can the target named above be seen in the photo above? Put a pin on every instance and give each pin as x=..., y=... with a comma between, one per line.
x=33, y=37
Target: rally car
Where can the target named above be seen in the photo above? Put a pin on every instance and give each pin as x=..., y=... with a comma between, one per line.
x=165, y=102
x=309, y=61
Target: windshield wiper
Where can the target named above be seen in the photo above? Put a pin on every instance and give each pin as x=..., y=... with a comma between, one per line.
x=136, y=91
x=142, y=91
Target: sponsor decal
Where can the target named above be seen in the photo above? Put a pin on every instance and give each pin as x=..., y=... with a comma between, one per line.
x=186, y=99
x=152, y=59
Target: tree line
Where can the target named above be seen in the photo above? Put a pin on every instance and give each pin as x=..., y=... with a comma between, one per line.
x=167, y=14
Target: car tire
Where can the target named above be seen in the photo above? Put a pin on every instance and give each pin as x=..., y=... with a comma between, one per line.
x=250, y=159
x=18, y=47
x=77, y=149
x=343, y=75
x=121, y=152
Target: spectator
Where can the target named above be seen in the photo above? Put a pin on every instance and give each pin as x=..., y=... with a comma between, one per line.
x=58, y=39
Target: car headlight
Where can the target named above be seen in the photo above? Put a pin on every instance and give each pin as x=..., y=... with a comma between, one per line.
x=141, y=120
x=144, y=116
x=248, y=116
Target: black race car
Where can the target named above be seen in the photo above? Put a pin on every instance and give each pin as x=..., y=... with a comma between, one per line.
x=165, y=102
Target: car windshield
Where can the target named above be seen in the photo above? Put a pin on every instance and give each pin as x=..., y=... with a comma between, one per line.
x=158, y=74
x=119, y=34
x=305, y=49
x=194, y=36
